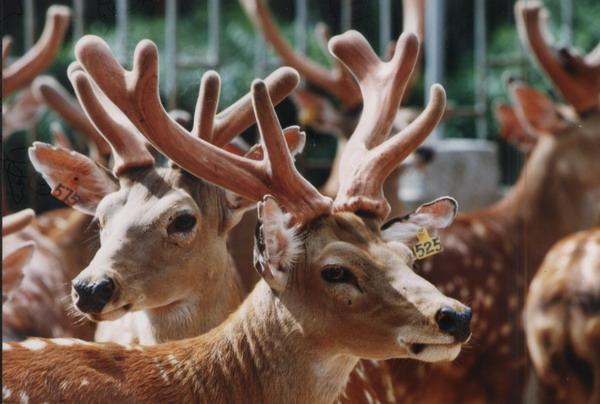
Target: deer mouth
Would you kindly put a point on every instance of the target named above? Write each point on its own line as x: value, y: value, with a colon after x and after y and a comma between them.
x: 110, y: 314
x: 435, y: 352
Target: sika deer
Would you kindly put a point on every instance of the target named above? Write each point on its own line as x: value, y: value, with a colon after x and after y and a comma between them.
x: 163, y: 269
x: 501, y: 247
x: 562, y: 320
x: 340, y: 119
x: 14, y: 261
x: 333, y: 289
x: 24, y: 111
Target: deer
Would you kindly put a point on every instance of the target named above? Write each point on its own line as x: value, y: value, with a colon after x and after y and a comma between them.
x: 499, y: 248
x: 24, y: 111
x: 66, y: 245
x: 334, y: 285
x: 340, y: 118
x: 562, y: 323
x: 14, y: 261
x: 163, y: 222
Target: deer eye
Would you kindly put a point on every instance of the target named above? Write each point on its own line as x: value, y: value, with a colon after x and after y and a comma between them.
x: 338, y: 274
x: 182, y: 224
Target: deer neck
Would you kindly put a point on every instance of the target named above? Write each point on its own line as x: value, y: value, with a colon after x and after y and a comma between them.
x: 546, y: 203
x: 269, y: 354
x: 198, y: 312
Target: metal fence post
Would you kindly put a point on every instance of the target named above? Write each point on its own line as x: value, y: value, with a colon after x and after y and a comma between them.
x: 78, y: 17
x: 300, y: 25
x: 566, y: 13
x: 480, y: 69
x: 385, y: 25
x: 171, y: 53
x: 121, y: 31
x: 435, y: 11
x: 346, y: 15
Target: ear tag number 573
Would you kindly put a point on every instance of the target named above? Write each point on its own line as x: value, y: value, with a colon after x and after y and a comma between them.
x: 426, y: 245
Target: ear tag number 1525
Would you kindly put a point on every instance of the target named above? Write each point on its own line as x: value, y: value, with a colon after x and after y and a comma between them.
x: 426, y: 245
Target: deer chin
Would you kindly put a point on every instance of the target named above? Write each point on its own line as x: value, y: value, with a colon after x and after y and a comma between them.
x: 434, y: 352
x: 110, y: 314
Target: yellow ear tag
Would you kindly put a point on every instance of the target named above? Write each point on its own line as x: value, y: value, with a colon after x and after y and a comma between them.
x: 426, y: 245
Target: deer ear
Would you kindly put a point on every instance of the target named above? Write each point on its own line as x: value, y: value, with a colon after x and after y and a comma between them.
x: 12, y: 267
x: 432, y: 216
x: 276, y: 244
x: 511, y: 129
x: 22, y: 114
x: 536, y: 111
x: 74, y: 178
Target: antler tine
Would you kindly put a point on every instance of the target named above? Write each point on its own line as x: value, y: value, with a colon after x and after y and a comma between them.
x: 294, y: 192
x: 127, y: 143
x: 6, y: 47
x: 337, y: 81
x: 381, y: 84
x: 39, y: 57
x: 576, y: 79
x: 368, y: 159
x: 239, y: 116
x: 17, y: 221
x: 206, y: 106
x: 59, y: 137
x: 50, y: 91
x: 136, y: 94
x: 413, y: 19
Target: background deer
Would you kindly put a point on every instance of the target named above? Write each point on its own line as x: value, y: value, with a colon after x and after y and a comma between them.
x: 337, y: 113
x: 24, y: 111
x: 162, y: 268
x: 14, y: 261
x: 500, y: 248
x: 318, y: 260
x: 562, y: 320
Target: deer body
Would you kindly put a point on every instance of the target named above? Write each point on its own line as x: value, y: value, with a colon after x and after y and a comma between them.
x: 229, y: 364
x: 40, y: 305
x: 562, y: 320
x: 499, y: 249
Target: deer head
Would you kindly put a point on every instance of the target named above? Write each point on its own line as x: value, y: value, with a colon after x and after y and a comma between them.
x: 163, y: 232
x: 331, y: 264
x: 572, y: 144
x: 576, y: 77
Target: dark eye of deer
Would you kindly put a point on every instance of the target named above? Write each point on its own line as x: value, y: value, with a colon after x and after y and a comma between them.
x: 182, y: 224
x: 337, y: 275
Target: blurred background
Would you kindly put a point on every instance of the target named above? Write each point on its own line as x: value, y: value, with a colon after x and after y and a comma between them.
x: 471, y: 46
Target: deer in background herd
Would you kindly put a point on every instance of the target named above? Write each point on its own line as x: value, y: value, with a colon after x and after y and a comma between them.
x: 491, y: 255
x: 562, y: 320
x: 318, y: 258
x: 23, y: 112
x: 339, y: 119
x: 14, y: 261
x: 36, y: 307
x: 162, y: 268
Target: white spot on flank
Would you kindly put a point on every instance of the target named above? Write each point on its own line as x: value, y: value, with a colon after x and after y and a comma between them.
x: 6, y: 347
x: 24, y: 398
x: 84, y: 382
x: 427, y: 266
x: 34, y: 344
x: 66, y: 341
x: 6, y: 393
x: 505, y: 329
x: 479, y: 229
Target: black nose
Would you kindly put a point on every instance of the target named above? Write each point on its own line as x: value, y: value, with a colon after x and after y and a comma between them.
x: 454, y: 323
x: 92, y: 297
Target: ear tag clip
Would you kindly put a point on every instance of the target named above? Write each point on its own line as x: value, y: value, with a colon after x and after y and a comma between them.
x: 426, y: 245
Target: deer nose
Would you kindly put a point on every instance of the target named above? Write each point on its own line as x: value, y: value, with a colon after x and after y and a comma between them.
x: 453, y: 323
x: 92, y: 297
